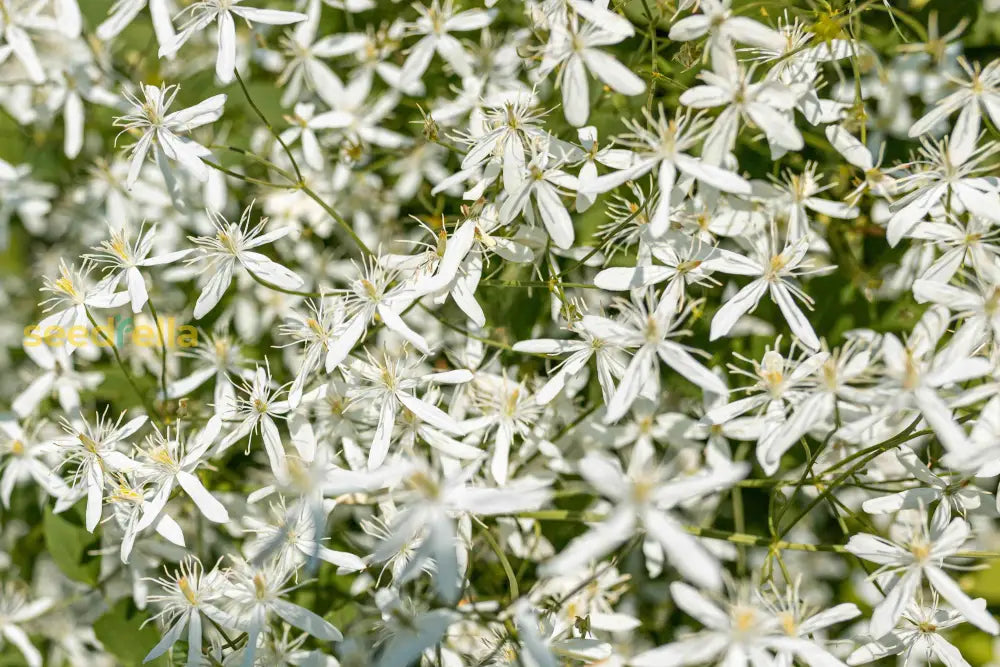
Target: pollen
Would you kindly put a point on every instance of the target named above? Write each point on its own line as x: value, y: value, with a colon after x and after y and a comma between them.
x: 778, y: 263
x: 260, y: 586
x: 744, y: 619
x: 921, y: 551
x: 88, y: 442
x: 186, y: 589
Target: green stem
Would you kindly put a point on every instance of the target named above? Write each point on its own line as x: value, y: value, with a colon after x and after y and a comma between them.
x: 274, y: 131
x: 163, y: 348
x: 300, y: 183
x: 153, y: 414
x: 504, y: 562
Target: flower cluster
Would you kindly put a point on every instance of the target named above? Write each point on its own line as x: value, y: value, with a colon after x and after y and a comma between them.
x: 534, y: 332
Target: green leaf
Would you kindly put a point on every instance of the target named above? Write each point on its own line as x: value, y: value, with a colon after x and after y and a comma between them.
x: 120, y: 632
x: 68, y: 544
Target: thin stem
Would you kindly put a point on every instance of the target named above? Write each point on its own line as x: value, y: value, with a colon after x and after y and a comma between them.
x: 300, y: 183
x: 874, y: 451
x: 504, y: 562
x: 121, y: 364
x: 274, y: 132
x: 163, y: 349
x: 550, y: 284
x: 284, y: 290
x: 736, y: 538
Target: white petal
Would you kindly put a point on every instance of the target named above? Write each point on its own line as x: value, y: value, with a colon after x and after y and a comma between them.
x: 214, y: 290
x: 346, y: 341
x: 206, y: 111
x: 974, y: 611
x: 606, y: 68
x: 888, y: 612
x: 742, y: 303
x: 555, y: 216
x: 575, y: 92
x: 719, y: 178
x: 206, y: 502
x: 429, y: 413
x: 20, y: 43
x: 394, y: 322
x: 875, y: 549
x: 306, y: 620
x: 169, y: 638
x: 965, y: 134
x: 797, y: 322
x: 593, y: 544
x: 938, y: 416
x: 681, y: 361
x: 684, y: 551
x: 73, y: 122
x: 269, y: 16
x: 272, y: 445
x: 265, y: 268
x: 690, y: 27
x: 847, y: 145
x: 225, y: 62
x: 383, y: 434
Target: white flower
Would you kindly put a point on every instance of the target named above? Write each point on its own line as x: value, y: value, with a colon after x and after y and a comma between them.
x: 131, y: 503
x: 355, y: 117
x: 778, y: 382
x: 205, y: 12
x: 574, y: 46
x: 166, y: 461
x: 921, y: 554
x: 391, y: 387
x: 435, y: 24
x: 231, y: 247
x: 508, y: 407
x: 774, y: 273
x: 649, y: 325
x: 374, y: 294
x: 123, y: 12
x: 257, y: 593
x: 664, y: 146
x: 921, y: 629
x: 768, y: 104
x: 71, y: 300
x: 953, y: 494
x: 429, y: 514
x: 723, y: 28
x: 57, y: 377
x: 915, y: 376
x: 305, y: 64
x: 737, y: 631
x: 15, y: 608
x: 93, y: 453
x: 316, y: 330
x: 122, y: 258
x: 979, y: 307
x: 541, y: 182
x: 980, y: 93
x: 25, y: 457
x: 257, y: 412
x: 595, y: 342
x: 160, y: 131
x: 643, y: 497
x: 19, y: 19
x: 295, y: 539
x: 945, y: 172
x: 218, y: 358
x: 189, y: 594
